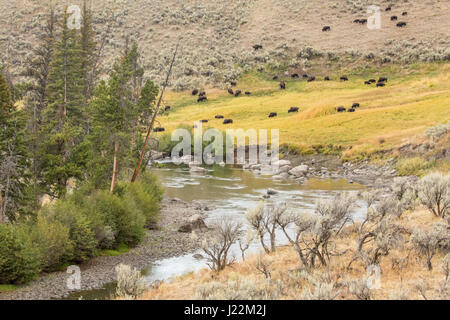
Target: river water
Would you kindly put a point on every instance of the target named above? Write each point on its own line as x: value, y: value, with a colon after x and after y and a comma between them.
x: 229, y: 192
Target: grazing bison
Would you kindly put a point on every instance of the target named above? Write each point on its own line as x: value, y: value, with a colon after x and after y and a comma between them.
x: 404, y: 13
x: 202, y: 94
x: 194, y: 92
x: 167, y: 108
x: 373, y: 80
x: 401, y: 24
x: 311, y: 79
x: 382, y: 79
x: 293, y: 109
x: 357, y: 21
x: 272, y: 114
x: 340, y: 109
x: 219, y: 117
x: 257, y: 47
x: 204, y: 121
x: 327, y: 78
x: 237, y: 93
x: 275, y: 78
x: 381, y: 84
x: 233, y: 83
x: 388, y: 9
x: 394, y: 18
x: 351, y: 110
x: 363, y: 21
x: 202, y: 98
x: 248, y: 93
x: 230, y: 91
x: 282, y: 85
x: 305, y: 76
x: 326, y: 28
x: 356, y: 105
x: 344, y: 78
x: 295, y: 76
x: 159, y: 130
x: 367, y: 82
x: 227, y: 121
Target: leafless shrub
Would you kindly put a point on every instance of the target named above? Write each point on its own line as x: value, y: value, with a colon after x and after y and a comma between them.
x: 428, y: 242
x: 422, y: 287
x: 130, y: 283
x: 314, y: 232
x: 434, y: 193
x: 245, y: 242
x: 264, y: 220
x: 444, y: 290
x: 217, y: 247
x: 263, y: 265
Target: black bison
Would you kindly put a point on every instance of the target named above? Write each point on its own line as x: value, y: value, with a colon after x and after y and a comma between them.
x: 404, y: 13
x: 305, y: 76
x: 293, y: 109
x: 351, y: 110
x: 257, y: 47
x: 382, y: 79
x: 367, y: 82
x: 295, y: 76
x: 202, y: 94
x: 357, y: 21
x: 194, y: 92
x: 202, y: 98
x: 356, y: 105
x: 233, y: 83
x: 310, y: 79
x: 159, y: 130
x: 227, y: 121
x: 204, y: 121
x: 275, y: 78
x: 344, y: 78
x: 282, y: 85
x: 340, y: 109
x: 394, y: 18
x: 327, y: 78
x: 401, y: 24
x: 167, y: 108
x: 230, y: 91
x: 381, y: 84
x: 248, y: 93
x: 219, y: 117
x: 237, y: 93
x: 388, y: 9
x: 272, y: 114
x: 326, y: 28
x: 373, y: 80
x: 363, y: 21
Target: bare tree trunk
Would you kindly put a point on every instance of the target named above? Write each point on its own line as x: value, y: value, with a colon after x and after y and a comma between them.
x: 5, y: 201
x: 114, y: 175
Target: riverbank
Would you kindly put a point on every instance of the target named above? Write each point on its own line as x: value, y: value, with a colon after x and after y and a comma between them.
x: 404, y: 274
x: 163, y: 242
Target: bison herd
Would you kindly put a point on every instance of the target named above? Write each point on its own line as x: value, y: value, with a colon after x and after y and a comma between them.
x: 352, y: 109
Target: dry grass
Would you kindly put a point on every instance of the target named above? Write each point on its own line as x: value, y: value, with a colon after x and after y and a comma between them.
x: 401, y: 270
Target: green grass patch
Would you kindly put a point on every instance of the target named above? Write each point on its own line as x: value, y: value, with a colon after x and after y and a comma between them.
x: 414, y: 166
x: 120, y: 249
x: 8, y: 288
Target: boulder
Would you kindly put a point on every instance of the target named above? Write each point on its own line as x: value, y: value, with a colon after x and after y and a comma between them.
x: 195, y: 222
x: 271, y: 192
x: 284, y: 169
x: 281, y: 176
x: 299, y: 171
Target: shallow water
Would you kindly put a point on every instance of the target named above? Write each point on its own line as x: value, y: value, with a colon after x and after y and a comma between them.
x: 230, y: 192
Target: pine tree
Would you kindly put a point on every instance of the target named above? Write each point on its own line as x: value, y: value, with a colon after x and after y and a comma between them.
x: 13, y: 156
x: 63, y: 117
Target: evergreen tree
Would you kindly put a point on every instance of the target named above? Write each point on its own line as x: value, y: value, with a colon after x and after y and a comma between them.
x: 13, y: 156
x: 63, y: 117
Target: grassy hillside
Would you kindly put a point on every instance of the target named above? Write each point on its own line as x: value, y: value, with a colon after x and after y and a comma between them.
x: 414, y: 99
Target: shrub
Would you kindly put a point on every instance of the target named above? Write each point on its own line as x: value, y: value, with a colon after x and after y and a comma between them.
x: 83, y: 239
x: 130, y: 283
x: 428, y: 242
x: 19, y: 257
x: 412, y: 166
x: 53, y: 240
x: 434, y: 193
